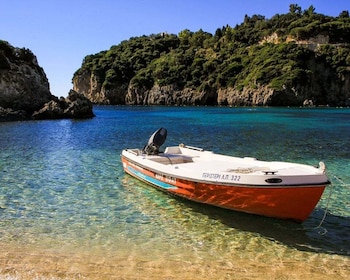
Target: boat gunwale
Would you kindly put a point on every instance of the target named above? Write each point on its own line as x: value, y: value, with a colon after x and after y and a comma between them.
x: 220, y: 183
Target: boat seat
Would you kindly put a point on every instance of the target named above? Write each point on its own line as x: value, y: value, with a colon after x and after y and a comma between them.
x: 172, y: 159
x: 172, y: 150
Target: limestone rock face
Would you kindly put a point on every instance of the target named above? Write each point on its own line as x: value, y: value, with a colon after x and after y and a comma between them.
x: 168, y: 95
x: 91, y: 87
x: 260, y: 96
x: 23, y: 83
x: 335, y: 94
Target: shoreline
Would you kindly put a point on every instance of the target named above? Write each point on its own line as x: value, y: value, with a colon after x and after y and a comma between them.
x: 27, y: 262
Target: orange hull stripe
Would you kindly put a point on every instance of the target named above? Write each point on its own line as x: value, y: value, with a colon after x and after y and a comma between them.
x: 295, y: 203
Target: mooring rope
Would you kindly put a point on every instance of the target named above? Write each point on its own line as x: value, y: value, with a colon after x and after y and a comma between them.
x: 325, y: 213
x: 342, y: 183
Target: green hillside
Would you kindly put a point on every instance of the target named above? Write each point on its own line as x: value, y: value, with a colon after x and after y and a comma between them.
x: 291, y: 51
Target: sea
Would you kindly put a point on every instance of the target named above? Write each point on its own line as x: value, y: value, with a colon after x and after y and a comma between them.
x: 68, y: 210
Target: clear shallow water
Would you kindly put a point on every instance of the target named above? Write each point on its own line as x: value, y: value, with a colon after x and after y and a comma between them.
x: 64, y: 195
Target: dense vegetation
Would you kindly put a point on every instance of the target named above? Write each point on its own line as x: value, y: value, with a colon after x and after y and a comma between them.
x: 10, y: 54
x: 235, y: 57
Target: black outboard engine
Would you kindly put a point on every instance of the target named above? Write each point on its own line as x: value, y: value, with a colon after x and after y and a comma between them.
x: 155, y: 141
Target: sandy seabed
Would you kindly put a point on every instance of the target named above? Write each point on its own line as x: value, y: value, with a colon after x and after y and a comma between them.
x: 32, y: 263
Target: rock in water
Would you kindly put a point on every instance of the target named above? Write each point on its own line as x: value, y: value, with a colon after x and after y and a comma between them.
x: 75, y: 106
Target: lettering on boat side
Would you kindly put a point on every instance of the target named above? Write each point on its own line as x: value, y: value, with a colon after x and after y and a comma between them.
x: 167, y: 179
x: 218, y: 176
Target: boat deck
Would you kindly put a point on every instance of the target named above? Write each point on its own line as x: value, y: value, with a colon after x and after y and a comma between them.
x: 206, y: 160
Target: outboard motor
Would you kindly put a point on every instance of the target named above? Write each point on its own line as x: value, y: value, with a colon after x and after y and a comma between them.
x: 155, y: 141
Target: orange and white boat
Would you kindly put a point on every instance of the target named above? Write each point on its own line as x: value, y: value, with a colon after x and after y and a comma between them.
x: 275, y: 189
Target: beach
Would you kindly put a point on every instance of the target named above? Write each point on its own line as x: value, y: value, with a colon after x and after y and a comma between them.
x: 32, y: 263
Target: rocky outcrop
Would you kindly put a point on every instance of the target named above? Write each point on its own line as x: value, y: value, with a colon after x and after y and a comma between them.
x: 75, y: 106
x: 9, y: 114
x: 91, y: 87
x: 24, y: 89
x: 23, y: 83
x: 260, y: 96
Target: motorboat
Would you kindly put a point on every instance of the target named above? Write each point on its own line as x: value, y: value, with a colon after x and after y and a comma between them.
x: 275, y: 189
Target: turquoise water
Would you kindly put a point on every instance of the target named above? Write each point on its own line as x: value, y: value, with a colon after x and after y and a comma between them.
x: 62, y: 189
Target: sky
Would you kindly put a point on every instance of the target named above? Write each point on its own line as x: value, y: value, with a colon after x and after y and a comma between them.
x: 62, y: 32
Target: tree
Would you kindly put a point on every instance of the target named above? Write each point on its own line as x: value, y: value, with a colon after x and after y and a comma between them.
x: 185, y: 36
x: 310, y: 11
x: 295, y: 9
x: 344, y: 14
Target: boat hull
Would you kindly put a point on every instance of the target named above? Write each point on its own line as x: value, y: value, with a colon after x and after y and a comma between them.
x: 283, y: 202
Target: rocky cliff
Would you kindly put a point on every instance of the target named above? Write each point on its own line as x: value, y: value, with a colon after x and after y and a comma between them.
x: 169, y: 95
x: 23, y: 83
x: 24, y: 88
x: 91, y: 86
x: 322, y: 89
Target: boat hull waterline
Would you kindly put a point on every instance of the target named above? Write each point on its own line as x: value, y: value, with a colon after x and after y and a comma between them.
x: 261, y: 192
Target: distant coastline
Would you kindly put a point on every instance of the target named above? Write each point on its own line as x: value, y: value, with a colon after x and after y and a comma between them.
x: 300, y: 58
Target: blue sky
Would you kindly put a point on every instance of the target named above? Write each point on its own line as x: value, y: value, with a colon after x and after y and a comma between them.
x: 62, y: 32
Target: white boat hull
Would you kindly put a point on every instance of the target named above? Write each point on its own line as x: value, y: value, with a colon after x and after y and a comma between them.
x: 274, y: 189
